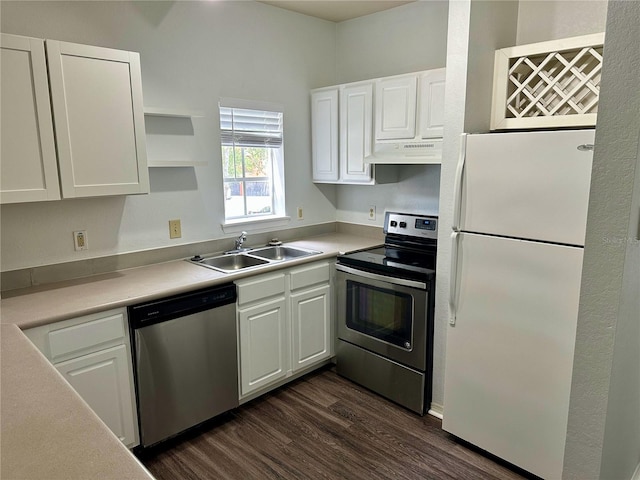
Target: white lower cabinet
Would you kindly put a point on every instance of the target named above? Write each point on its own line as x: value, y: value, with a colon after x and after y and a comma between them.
x: 102, y: 380
x: 93, y: 353
x: 264, y: 344
x: 310, y: 326
x: 284, y: 326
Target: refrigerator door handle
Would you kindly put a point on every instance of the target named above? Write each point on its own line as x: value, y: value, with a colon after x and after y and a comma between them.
x: 453, y: 278
x: 457, y: 186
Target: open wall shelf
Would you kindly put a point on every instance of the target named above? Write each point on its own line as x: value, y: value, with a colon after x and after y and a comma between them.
x: 172, y: 137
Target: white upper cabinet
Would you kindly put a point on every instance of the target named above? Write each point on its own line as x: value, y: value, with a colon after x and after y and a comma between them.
x: 431, y: 112
x: 410, y: 107
x: 324, y: 134
x: 96, y: 95
x: 381, y: 122
x: 342, y: 136
x: 29, y: 171
x: 396, y: 107
x: 97, y: 106
x: 356, y: 118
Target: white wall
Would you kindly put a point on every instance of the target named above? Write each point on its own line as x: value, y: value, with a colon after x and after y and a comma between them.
x: 192, y: 53
x: 416, y: 190
x: 539, y: 21
x: 405, y: 39
x: 603, y: 437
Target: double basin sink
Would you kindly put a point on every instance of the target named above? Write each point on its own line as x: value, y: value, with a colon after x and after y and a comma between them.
x: 235, y: 261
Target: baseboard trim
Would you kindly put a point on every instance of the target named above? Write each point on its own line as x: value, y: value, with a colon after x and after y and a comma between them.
x: 437, y: 410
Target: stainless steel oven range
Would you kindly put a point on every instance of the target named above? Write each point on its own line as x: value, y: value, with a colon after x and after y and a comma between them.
x: 385, y: 312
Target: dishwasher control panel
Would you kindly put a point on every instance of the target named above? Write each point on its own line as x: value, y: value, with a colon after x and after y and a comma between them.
x: 180, y: 305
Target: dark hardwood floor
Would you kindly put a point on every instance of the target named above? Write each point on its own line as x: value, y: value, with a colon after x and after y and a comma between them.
x: 321, y: 427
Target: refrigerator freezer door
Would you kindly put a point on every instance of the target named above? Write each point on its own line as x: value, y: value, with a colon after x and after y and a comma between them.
x: 509, y: 356
x: 532, y: 185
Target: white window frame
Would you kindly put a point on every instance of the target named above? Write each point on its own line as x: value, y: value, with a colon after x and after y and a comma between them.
x: 279, y: 217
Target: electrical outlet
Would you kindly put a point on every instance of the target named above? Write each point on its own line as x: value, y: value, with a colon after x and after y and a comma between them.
x: 300, y: 216
x: 80, y: 240
x: 175, y: 231
x: 372, y: 212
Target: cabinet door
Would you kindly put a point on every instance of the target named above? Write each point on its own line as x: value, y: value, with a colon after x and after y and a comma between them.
x: 102, y: 380
x: 355, y: 133
x: 264, y: 340
x: 432, y: 84
x: 311, y: 326
x: 29, y: 171
x: 396, y: 108
x: 96, y: 95
x: 324, y: 135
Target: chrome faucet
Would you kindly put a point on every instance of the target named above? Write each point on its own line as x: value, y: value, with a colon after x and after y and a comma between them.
x: 240, y: 240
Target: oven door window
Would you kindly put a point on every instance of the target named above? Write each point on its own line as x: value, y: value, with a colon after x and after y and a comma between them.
x: 381, y: 313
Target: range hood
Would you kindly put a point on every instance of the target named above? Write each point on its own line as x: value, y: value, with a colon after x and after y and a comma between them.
x: 398, y: 152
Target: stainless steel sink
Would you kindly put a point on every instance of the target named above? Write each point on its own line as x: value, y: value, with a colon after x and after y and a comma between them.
x: 232, y: 263
x: 282, y: 252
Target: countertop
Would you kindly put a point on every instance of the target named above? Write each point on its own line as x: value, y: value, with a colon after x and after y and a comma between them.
x: 47, y: 430
x: 34, y: 306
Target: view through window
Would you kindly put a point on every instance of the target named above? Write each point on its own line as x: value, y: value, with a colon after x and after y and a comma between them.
x: 251, y: 162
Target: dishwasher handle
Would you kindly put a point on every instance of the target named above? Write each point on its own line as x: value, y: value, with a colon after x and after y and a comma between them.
x: 169, y: 308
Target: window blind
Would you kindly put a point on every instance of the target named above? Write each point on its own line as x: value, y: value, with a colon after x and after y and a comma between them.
x: 250, y: 128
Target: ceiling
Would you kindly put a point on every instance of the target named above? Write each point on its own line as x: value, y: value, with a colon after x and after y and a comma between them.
x: 337, y: 10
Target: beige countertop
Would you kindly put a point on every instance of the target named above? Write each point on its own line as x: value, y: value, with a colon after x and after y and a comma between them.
x: 47, y: 430
x: 34, y: 306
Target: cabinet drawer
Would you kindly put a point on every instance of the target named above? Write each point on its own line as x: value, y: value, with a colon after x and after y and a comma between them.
x: 309, y: 275
x: 258, y: 288
x: 86, y: 336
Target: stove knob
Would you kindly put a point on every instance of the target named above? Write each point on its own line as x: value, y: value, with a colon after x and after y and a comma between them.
x: 394, y: 223
x: 403, y: 224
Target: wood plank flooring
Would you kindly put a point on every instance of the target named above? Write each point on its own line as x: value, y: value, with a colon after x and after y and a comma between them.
x: 321, y: 427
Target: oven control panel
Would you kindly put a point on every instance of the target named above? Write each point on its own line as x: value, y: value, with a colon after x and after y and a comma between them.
x: 413, y: 225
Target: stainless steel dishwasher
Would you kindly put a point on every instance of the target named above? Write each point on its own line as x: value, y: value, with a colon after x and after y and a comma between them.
x: 185, y: 360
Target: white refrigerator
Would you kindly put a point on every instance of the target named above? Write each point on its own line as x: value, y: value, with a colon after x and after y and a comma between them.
x: 517, y: 244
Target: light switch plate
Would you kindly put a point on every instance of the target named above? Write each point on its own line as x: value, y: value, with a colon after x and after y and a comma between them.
x: 175, y: 230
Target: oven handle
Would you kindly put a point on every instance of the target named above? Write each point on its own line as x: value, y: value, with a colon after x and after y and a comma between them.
x: 383, y: 278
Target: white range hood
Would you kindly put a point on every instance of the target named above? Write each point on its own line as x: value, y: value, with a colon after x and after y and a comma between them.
x: 409, y: 152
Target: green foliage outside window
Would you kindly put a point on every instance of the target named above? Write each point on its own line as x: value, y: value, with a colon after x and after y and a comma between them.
x: 255, y: 159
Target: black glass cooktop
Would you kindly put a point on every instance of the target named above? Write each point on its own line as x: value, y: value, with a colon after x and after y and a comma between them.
x: 411, y: 263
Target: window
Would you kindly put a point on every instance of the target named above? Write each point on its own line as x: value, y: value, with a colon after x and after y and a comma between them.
x: 252, y: 162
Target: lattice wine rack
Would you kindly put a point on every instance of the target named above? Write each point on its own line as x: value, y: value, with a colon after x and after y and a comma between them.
x: 547, y: 84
